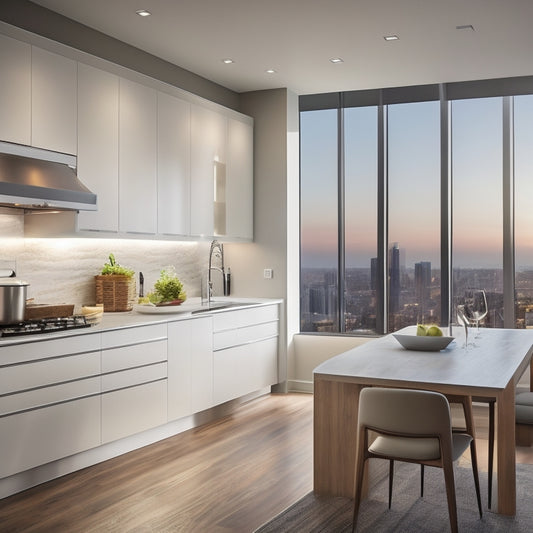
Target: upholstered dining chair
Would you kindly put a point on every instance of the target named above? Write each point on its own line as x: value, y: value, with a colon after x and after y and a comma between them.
x: 412, y: 426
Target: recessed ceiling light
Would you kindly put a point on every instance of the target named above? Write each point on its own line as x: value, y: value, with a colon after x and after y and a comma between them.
x: 228, y: 61
x: 270, y: 71
x: 391, y: 38
x: 143, y: 13
x: 465, y: 27
x: 336, y: 60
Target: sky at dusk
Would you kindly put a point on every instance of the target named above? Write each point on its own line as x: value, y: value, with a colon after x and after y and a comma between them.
x: 414, y: 183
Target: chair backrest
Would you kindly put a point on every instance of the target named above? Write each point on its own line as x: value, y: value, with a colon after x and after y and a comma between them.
x: 404, y: 411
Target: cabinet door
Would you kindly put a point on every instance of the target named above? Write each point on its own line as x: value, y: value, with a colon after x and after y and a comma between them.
x: 134, y: 409
x: 15, y: 88
x: 54, y: 102
x: 98, y: 145
x: 190, y: 367
x: 202, y: 364
x: 179, y: 369
x: 244, y: 369
x: 173, y: 165
x: 137, y: 158
x: 239, y: 180
x: 39, y: 436
x: 208, y: 144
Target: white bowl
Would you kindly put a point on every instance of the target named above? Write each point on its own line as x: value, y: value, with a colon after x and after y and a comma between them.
x: 423, y: 343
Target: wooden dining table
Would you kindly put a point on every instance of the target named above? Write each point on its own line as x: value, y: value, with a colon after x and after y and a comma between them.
x: 489, y: 368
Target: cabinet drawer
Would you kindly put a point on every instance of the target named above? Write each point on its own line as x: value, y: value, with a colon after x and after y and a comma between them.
x: 127, y: 336
x: 235, y: 337
x: 50, y: 371
x: 37, y: 437
x: 22, y: 401
x: 132, y: 410
x: 133, y: 376
x: 245, y: 317
x: 244, y: 369
x: 135, y: 355
x: 30, y: 351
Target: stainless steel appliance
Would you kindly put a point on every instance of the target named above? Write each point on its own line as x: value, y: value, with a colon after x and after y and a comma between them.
x: 32, y: 178
x: 44, y: 325
x: 12, y: 298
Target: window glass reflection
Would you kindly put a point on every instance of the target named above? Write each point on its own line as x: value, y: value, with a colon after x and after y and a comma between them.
x: 414, y: 214
x: 319, y: 221
x: 477, y: 201
x: 360, y: 190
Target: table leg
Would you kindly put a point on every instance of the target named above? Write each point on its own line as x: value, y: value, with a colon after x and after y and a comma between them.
x: 505, y: 424
x: 531, y: 375
x: 336, y: 406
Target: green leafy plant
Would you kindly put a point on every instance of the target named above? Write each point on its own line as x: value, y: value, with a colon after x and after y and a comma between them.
x: 113, y: 268
x: 168, y: 288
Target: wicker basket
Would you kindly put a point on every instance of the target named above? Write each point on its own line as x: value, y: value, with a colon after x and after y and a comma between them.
x: 116, y: 292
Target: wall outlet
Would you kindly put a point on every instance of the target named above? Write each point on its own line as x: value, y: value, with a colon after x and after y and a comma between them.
x: 268, y: 273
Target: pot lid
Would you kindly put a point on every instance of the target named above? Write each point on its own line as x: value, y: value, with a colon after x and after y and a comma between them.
x: 12, y: 282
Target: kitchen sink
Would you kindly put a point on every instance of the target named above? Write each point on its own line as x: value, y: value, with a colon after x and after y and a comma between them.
x: 216, y: 306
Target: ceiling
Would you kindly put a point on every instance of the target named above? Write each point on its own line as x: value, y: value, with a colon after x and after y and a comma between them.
x: 297, y: 38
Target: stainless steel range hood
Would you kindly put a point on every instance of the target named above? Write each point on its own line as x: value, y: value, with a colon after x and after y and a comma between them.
x: 31, y: 178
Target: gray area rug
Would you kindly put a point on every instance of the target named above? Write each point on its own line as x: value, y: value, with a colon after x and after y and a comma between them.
x: 409, y: 512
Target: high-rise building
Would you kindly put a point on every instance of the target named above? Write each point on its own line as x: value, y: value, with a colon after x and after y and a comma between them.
x: 394, y: 276
x: 422, y: 286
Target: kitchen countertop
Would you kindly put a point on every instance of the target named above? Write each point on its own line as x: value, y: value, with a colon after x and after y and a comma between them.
x: 120, y: 320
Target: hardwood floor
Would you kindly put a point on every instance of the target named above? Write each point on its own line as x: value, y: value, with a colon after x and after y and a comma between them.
x: 229, y: 476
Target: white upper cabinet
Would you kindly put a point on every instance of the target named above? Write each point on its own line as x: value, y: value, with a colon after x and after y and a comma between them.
x: 208, y: 145
x: 173, y: 165
x: 98, y: 145
x: 54, y: 102
x: 137, y: 158
x: 239, y: 180
x: 15, y: 89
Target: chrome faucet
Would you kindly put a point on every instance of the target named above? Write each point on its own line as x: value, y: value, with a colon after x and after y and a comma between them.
x: 216, y: 251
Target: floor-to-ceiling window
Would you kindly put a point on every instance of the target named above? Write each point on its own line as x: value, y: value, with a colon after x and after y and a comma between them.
x: 319, y: 222
x: 523, y: 186
x: 360, y: 218
x: 429, y: 192
x: 413, y: 143
x: 477, y: 153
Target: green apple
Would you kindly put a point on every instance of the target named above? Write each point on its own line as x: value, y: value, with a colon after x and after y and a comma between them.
x: 434, y: 331
x: 421, y: 330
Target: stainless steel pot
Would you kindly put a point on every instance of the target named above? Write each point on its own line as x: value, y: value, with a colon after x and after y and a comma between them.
x: 12, y: 300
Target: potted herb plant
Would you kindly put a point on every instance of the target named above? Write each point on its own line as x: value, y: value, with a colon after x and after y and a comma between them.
x: 115, y: 286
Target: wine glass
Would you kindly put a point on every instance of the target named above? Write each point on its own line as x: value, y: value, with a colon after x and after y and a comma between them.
x: 476, y: 302
x: 462, y: 320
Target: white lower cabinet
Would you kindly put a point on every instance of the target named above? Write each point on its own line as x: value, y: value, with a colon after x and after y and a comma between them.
x: 64, y: 396
x: 36, y: 437
x: 245, y: 357
x: 190, y: 367
x: 134, y: 381
x: 133, y: 409
x: 244, y: 369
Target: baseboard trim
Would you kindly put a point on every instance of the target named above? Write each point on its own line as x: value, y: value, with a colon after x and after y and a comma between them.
x: 298, y: 385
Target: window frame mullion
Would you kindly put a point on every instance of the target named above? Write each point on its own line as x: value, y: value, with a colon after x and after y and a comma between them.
x: 341, y: 277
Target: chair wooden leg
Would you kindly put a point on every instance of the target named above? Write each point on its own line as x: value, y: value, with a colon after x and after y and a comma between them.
x: 491, y: 449
x: 391, y: 477
x: 358, y: 484
x: 450, y: 493
x: 473, y: 454
x: 421, y: 481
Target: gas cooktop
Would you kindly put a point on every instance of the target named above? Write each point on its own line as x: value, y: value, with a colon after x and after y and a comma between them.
x: 43, y: 325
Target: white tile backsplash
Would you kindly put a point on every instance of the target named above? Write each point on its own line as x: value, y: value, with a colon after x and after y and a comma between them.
x: 63, y: 270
